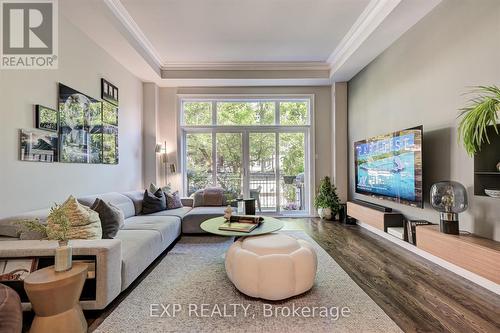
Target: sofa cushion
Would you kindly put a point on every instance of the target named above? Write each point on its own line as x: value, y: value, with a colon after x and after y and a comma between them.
x: 136, y: 197
x: 179, y: 212
x: 139, y: 249
x: 167, y: 226
x: 192, y: 220
x: 117, y: 199
x: 112, y: 218
x: 173, y: 200
x: 9, y: 226
x: 84, y: 222
x: 153, y: 202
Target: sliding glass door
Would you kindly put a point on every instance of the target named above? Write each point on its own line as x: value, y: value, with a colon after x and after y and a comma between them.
x: 254, y: 148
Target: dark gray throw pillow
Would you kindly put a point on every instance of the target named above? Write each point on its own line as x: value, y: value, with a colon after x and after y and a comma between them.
x: 154, y: 202
x: 173, y: 200
x: 112, y: 218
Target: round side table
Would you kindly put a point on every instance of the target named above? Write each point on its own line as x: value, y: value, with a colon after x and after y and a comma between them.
x: 54, y: 297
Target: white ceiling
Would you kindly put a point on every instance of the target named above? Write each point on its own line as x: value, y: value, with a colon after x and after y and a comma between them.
x: 244, y: 42
x: 211, y: 31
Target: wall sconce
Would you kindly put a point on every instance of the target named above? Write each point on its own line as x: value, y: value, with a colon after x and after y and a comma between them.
x: 162, y: 149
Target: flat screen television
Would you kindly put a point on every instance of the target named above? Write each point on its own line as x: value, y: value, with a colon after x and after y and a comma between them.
x: 390, y: 166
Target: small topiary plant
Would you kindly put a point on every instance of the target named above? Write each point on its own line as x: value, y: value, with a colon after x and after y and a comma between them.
x: 327, y: 196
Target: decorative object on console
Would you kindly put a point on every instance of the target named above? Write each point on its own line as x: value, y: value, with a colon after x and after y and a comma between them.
x: 327, y: 201
x: 492, y: 193
x: 482, y: 111
x: 38, y: 146
x: 109, y: 133
x: 109, y: 92
x: 80, y: 127
x: 449, y: 198
x: 498, y: 166
x: 46, y: 118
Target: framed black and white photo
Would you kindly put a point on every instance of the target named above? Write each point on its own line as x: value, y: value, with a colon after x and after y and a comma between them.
x: 46, y: 118
x: 38, y: 146
x: 109, y: 92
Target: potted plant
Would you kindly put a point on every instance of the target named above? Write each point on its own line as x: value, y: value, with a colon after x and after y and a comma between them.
x: 327, y: 201
x: 289, y: 180
x: 482, y: 111
x: 57, y: 229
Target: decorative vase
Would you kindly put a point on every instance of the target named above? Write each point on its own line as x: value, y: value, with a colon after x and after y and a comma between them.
x: 498, y: 166
x: 63, y: 257
x: 325, y: 213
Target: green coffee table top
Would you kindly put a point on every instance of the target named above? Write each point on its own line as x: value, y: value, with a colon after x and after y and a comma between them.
x: 270, y: 224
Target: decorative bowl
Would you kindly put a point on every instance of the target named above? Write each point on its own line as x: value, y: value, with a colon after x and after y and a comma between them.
x: 494, y: 193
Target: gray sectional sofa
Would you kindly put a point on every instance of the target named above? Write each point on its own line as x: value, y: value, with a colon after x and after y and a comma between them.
x: 121, y: 260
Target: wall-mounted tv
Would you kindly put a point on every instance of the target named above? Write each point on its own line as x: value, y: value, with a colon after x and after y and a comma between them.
x: 390, y: 166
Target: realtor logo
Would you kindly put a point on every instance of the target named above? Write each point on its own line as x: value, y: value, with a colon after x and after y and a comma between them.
x: 29, y: 34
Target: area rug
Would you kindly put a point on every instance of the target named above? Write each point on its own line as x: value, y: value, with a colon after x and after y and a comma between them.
x: 189, y: 292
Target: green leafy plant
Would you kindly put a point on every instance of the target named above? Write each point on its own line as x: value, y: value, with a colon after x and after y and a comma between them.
x: 327, y: 196
x: 56, y: 230
x: 481, y: 112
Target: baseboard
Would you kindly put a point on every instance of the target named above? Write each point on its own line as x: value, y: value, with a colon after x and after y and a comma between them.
x: 479, y: 280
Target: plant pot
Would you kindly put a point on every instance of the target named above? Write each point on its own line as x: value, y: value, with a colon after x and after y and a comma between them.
x: 63, y: 257
x: 325, y: 213
x: 289, y: 180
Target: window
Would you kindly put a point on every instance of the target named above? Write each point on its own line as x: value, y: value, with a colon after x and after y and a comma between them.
x: 258, y: 147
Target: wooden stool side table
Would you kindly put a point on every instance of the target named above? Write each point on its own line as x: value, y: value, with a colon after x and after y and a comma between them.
x: 55, y: 298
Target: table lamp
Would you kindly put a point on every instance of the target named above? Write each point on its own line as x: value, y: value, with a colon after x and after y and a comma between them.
x: 449, y: 198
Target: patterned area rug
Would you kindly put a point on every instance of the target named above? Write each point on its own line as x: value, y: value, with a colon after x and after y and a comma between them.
x: 189, y: 292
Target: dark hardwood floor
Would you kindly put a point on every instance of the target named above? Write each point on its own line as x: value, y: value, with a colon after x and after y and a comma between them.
x: 417, y: 294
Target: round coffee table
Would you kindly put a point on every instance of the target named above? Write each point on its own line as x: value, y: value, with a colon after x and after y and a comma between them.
x: 270, y: 224
x: 54, y: 298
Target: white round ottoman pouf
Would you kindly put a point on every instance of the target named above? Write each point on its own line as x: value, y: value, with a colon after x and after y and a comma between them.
x: 272, y: 266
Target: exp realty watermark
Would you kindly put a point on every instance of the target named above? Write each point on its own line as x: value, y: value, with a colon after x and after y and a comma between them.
x: 159, y: 310
x: 29, y: 34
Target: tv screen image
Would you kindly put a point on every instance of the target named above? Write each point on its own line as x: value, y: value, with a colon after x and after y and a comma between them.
x: 390, y: 166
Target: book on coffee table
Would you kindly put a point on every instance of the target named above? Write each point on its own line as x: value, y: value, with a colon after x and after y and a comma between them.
x: 238, y: 226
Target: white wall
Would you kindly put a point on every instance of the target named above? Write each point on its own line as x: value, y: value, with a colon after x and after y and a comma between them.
x: 29, y: 185
x: 322, y: 119
x: 420, y: 80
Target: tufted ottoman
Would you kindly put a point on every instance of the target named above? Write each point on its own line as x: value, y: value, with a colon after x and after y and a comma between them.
x: 272, y: 266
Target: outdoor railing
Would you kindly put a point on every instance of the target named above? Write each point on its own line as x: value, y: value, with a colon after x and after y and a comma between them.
x: 266, y: 182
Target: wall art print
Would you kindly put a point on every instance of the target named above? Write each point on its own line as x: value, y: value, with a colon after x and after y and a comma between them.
x: 110, y: 133
x: 45, y: 118
x: 109, y: 92
x: 38, y: 146
x: 80, y: 127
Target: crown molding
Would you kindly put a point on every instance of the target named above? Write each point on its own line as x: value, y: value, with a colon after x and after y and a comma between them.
x: 121, y: 13
x: 374, y: 14
x: 248, y: 66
